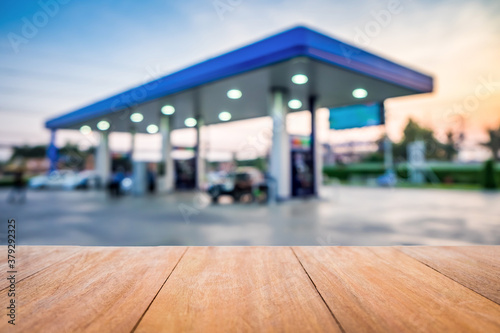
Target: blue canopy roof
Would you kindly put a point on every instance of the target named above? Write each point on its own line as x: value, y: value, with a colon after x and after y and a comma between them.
x: 294, y: 43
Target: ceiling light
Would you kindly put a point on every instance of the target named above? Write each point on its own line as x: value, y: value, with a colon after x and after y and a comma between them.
x: 190, y: 122
x: 103, y: 125
x: 152, y: 129
x: 225, y: 116
x: 168, y: 110
x: 359, y: 93
x: 300, y: 79
x: 85, y: 129
x: 294, y: 104
x: 136, y: 117
x: 234, y: 94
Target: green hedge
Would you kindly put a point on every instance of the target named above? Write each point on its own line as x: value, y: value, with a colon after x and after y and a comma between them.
x: 360, y: 170
x: 444, y: 172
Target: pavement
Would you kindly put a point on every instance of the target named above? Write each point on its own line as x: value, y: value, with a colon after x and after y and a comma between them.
x: 344, y: 215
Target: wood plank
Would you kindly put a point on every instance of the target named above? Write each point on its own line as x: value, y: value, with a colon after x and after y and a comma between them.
x: 476, y: 267
x: 32, y: 259
x: 384, y: 290
x: 235, y: 289
x: 98, y: 290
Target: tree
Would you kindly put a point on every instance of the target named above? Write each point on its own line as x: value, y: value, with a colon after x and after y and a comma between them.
x: 434, y: 149
x: 494, y: 143
x: 70, y: 156
x: 450, y: 146
x: 28, y: 152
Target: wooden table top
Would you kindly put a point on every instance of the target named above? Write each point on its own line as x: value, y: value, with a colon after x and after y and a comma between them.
x: 255, y: 289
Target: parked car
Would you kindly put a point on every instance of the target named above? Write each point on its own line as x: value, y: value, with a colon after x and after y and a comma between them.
x: 89, y: 179
x: 245, y: 182
x: 61, y: 179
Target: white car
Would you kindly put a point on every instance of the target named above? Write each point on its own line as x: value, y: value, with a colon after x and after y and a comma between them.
x: 62, y: 179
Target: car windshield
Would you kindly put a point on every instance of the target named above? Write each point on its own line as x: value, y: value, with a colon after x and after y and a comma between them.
x: 242, y: 177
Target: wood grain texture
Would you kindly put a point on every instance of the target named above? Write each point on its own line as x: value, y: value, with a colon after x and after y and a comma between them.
x: 384, y: 290
x: 403, y: 289
x: 476, y: 267
x: 32, y: 259
x: 98, y: 290
x: 238, y: 289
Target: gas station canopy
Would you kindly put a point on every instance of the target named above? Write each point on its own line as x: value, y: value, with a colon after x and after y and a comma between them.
x: 236, y: 85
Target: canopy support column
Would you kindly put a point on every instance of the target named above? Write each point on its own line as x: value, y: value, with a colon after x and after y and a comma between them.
x: 166, y: 183
x: 280, y: 163
x: 132, y: 144
x: 200, y: 163
x: 52, y: 152
x: 317, y: 159
x: 103, y: 158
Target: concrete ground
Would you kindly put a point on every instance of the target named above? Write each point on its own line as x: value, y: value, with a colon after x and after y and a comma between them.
x: 343, y: 216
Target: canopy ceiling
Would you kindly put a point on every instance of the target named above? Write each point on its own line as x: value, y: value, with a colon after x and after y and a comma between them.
x: 334, y: 69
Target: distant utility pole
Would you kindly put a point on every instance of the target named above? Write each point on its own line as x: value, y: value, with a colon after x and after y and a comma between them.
x: 388, y: 159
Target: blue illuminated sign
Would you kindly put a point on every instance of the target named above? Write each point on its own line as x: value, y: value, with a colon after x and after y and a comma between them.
x: 354, y: 116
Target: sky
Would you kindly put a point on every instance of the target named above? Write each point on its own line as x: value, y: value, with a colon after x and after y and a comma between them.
x: 83, y: 51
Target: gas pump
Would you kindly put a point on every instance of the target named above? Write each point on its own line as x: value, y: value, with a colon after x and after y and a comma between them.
x: 185, y: 170
x: 302, y: 166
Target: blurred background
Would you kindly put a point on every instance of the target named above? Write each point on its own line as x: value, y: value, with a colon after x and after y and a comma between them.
x: 428, y: 174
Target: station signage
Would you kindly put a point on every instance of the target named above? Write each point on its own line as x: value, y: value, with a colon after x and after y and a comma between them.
x: 356, y: 116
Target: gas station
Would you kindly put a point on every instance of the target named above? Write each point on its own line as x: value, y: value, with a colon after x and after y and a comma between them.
x: 295, y: 70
